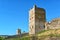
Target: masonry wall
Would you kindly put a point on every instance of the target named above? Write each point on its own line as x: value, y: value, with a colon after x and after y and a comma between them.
x: 54, y: 24
x: 36, y: 20
x: 32, y: 21
x: 39, y: 19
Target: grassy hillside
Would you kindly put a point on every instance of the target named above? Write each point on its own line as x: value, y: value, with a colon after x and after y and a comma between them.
x: 53, y: 34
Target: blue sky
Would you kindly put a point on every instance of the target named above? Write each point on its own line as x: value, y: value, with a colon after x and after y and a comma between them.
x: 14, y: 13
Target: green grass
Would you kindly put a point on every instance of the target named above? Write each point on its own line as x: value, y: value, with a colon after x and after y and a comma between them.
x: 1, y: 38
x: 50, y: 30
x: 42, y: 31
x: 25, y: 38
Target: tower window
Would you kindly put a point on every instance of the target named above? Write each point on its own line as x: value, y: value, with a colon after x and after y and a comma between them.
x: 44, y: 26
x: 32, y: 17
x: 32, y: 26
x: 39, y: 27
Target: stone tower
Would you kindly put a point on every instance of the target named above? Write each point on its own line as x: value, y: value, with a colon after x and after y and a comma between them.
x: 18, y: 32
x: 36, y: 20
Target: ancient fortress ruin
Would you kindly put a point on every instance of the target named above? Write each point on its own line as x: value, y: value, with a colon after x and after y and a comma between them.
x: 37, y: 21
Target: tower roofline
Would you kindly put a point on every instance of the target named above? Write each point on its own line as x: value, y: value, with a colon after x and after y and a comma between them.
x: 34, y: 6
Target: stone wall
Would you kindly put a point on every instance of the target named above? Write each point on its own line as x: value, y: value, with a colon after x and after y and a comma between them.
x: 54, y: 24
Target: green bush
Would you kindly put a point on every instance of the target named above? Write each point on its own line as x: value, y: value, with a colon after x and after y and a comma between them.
x: 1, y: 38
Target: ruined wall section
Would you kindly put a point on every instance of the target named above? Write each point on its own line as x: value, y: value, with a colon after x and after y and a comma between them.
x: 54, y: 24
